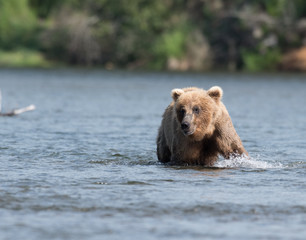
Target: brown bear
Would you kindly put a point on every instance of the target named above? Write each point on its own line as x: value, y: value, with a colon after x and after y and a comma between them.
x: 196, y: 128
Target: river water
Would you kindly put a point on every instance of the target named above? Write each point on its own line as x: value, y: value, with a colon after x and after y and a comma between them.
x: 83, y: 164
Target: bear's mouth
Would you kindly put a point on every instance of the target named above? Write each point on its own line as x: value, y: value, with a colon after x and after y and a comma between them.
x: 188, y: 132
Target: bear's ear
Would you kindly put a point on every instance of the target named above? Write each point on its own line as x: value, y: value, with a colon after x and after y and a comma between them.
x: 216, y: 93
x: 175, y: 93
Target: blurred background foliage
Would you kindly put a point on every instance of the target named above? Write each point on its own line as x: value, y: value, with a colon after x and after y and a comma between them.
x: 198, y: 35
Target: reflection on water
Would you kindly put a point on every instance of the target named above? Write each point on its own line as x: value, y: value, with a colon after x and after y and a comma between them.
x: 83, y: 164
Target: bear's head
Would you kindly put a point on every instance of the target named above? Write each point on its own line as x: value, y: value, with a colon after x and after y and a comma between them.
x: 196, y: 110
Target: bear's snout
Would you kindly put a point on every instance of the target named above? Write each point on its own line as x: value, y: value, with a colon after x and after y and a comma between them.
x: 185, y: 126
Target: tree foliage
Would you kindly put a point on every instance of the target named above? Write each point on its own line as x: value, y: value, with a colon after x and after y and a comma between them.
x: 159, y: 34
x: 17, y: 24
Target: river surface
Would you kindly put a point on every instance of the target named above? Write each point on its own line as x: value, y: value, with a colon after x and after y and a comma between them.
x: 83, y: 164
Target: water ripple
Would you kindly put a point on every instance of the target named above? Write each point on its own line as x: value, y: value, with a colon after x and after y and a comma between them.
x: 243, y: 162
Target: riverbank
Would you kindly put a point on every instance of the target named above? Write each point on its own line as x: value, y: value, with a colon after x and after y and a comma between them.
x: 294, y: 61
x: 24, y: 58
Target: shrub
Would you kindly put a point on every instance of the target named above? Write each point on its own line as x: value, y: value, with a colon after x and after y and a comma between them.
x: 71, y: 38
x: 256, y: 61
x: 17, y: 24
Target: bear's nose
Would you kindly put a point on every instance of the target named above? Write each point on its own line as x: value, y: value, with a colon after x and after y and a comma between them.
x: 185, y: 125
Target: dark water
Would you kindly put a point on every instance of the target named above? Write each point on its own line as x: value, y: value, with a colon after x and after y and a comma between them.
x: 83, y: 164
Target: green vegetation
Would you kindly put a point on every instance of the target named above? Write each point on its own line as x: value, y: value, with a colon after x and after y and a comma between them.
x: 250, y: 35
x: 23, y: 58
x: 17, y: 24
x: 254, y: 61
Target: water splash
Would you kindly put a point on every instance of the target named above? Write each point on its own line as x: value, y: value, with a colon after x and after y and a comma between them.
x: 246, y: 162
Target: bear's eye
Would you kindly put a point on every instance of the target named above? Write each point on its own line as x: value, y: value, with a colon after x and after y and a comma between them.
x: 182, y: 111
x: 196, y: 110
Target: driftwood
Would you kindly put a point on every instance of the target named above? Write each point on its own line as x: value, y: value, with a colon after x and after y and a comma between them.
x: 16, y: 111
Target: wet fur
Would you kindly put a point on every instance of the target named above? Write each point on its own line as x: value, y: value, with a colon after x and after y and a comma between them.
x: 214, y: 135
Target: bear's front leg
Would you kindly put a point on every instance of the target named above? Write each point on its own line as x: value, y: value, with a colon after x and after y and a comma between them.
x: 234, y: 149
x: 163, y: 152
